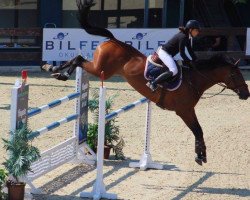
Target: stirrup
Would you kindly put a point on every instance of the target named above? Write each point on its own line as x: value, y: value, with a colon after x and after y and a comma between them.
x: 152, y: 86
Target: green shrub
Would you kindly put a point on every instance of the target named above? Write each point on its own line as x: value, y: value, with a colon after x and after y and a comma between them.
x: 3, y: 179
x: 21, y: 154
x: 112, y: 138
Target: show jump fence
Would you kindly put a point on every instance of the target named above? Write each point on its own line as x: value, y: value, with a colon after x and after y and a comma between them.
x: 99, y: 190
x: 73, y: 148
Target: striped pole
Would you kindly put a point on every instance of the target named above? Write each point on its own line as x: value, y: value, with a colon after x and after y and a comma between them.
x: 53, y: 104
x: 53, y: 126
x: 126, y: 108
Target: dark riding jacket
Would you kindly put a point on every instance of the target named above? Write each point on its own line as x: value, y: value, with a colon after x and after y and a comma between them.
x: 177, y: 44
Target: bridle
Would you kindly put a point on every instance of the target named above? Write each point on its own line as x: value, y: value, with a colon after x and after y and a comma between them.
x: 231, y: 78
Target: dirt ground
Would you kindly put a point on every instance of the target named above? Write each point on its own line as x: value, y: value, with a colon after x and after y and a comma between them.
x: 225, y: 121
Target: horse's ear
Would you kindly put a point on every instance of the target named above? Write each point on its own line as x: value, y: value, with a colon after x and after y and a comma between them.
x: 237, y: 63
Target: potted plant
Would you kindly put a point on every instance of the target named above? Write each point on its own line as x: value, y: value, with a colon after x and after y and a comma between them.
x: 112, y: 140
x: 21, y: 154
x: 3, y: 178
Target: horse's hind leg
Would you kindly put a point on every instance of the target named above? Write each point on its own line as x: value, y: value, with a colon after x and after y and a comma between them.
x: 190, y: 119
x: 54, y: 69
x: 72, y: 64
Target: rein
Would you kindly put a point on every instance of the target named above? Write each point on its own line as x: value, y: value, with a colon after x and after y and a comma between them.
x: 231, y: 79
x: 220, y: 84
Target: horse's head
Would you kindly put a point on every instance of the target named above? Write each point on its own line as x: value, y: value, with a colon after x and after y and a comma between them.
x: 236, y: 82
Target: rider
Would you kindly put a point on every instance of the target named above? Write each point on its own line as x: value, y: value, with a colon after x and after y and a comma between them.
x: 175, y: 45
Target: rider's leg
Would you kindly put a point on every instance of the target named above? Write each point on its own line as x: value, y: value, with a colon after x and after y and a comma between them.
x: 168, y: 61
x: 163, y: 77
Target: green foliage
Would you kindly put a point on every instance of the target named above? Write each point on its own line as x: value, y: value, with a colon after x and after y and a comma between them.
x: 112, y: 137
x: 92, y: 136
x: 21, y: 154
x: 94, y: 104
x: 3, y: 178
x: 118, y: 149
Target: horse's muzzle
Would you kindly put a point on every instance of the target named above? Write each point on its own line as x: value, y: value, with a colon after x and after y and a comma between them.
x: 244, y: 96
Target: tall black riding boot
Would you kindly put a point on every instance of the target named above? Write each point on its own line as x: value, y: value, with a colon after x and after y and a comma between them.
x: 163, y: 77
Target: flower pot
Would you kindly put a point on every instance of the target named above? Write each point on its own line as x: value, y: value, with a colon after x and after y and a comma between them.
x: 106, y: 152
x: 16, y: 191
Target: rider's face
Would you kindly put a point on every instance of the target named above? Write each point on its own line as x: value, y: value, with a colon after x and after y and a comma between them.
x: 194, y: 32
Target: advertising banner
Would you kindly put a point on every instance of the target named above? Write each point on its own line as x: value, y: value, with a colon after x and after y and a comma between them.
x: 64, y: 44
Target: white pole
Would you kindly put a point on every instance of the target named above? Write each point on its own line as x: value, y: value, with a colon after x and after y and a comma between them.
x: 146, y: 160
x: 78, y: 88
x: 99, y: 190
x: 100, y: 147
x: 13, y: 108
x: 148, y: 128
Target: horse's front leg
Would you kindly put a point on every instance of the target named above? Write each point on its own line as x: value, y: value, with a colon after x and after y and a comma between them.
x: 190, y: 119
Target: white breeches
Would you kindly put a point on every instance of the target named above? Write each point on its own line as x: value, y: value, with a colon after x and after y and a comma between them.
x: 167, y: 60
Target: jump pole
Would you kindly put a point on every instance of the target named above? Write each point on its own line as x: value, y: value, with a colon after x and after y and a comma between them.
x: 99, y: 190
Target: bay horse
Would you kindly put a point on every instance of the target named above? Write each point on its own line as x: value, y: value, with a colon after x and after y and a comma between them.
x: 115, y: 57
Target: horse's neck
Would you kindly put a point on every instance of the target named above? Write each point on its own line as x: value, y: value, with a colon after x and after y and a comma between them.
x: 207, y: 78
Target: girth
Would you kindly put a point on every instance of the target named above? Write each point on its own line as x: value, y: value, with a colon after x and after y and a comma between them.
x: 161, y: 99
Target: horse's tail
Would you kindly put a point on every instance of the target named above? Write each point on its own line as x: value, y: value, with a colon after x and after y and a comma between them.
x: 83, y: 14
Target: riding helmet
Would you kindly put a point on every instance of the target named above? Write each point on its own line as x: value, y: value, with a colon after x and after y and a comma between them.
x: 193, y: 24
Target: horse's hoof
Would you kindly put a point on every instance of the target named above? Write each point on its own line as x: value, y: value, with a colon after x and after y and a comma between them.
x: 198, y: 161
x: 55, y: 75
x: 47, y: 68
x: 60, y: 76
x: 204, y: 159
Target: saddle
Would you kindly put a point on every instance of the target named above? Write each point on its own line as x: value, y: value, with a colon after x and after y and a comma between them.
x: 154, y: 67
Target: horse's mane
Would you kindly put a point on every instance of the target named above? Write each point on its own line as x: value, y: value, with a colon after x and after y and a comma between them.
x: 214, y: 61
